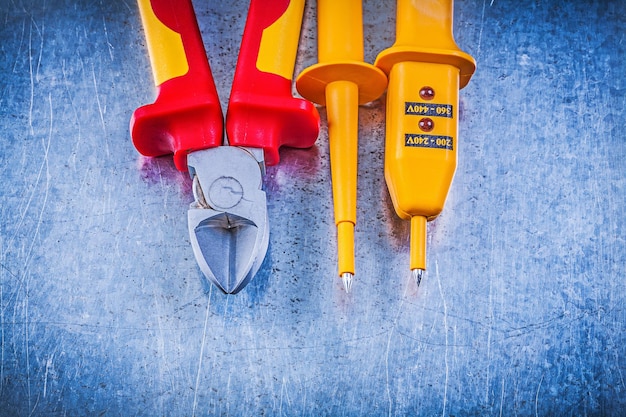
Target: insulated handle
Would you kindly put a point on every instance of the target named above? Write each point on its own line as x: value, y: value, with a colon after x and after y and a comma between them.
x: 186, y: 115
x: 340, y: 31
x: 428, y: 25
x: 262, y: 111
x: 424, y: 34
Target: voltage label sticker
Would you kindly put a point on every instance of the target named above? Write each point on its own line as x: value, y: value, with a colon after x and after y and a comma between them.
x: 428, y: 141
x: 427, y: 109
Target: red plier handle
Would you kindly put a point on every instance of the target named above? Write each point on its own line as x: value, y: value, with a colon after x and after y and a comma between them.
x: 186, y: 115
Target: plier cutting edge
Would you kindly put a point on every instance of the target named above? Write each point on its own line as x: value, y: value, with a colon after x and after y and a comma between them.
x: 228, y: 221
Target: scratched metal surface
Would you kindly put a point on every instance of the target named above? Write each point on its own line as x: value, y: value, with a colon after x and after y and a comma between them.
x: 103, y: 310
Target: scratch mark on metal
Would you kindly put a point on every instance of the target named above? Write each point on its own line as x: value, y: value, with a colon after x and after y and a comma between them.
x: 106, y: 37
x: 537, y: 397
x: 391, y: 330
x: 19, y: 48
x: 44, y: 164
x: 41, y: 32
x: 206, y: 323
x: 30, y: 68
x: 47, y: 372
x: 491, y: 321
x: 282, y: 394
x: 27, y: 344
x: 445, y: 325
x: 78, y: 140
x: 30, y: 250
x: 95, y: 86
x: 35, y: 406
x: 502, y: 396
x: 161, y: 342
x: 128, y: 7
x: 32, y: 79
x: 482, y: 25
x: 27, y: 258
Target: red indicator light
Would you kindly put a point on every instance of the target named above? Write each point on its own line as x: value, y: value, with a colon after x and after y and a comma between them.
x: 426, y: 124
x: 427, y: 93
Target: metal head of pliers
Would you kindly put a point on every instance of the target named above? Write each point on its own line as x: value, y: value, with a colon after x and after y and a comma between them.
x: 228, y: 220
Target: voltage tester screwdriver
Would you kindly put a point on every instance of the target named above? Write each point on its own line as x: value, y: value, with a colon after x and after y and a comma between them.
x: 341, y: 81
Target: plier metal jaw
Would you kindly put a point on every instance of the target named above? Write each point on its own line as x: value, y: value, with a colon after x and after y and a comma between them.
x: 227, y: 221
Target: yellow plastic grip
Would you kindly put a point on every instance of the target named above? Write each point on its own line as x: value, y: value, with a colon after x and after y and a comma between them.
x: 340, y: 30
x: 427, y: 24
x: 165, y: 46
x: 424, y: 34
x: 340, y: 54
x: 285, y: 31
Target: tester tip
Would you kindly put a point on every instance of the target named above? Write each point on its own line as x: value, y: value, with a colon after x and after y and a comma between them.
x: 347, y: 279
x: 417, y: 275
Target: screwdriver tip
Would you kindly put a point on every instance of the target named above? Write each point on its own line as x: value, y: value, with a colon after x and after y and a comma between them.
x: 347, y: 279
x: 417, y: 275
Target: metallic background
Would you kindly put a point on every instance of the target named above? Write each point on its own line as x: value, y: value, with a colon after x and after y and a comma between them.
x: 104, y: 312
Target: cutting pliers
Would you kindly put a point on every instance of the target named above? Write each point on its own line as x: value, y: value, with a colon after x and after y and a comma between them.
x: 228, y: 221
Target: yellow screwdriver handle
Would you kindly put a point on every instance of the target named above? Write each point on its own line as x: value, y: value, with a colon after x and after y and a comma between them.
x: 340, y: 54
x: 424, y: 34
x: 426, y: 69
x: 429, y: 26
x: 340, y: 30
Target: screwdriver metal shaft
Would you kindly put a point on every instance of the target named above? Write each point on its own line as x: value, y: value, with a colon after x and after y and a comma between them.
x: 342, y: 81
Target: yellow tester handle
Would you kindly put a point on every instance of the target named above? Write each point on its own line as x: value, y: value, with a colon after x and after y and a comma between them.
x: 340, y: 30
x: 342, y: 81
x: 426, y: 70
x: 425, y: 23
